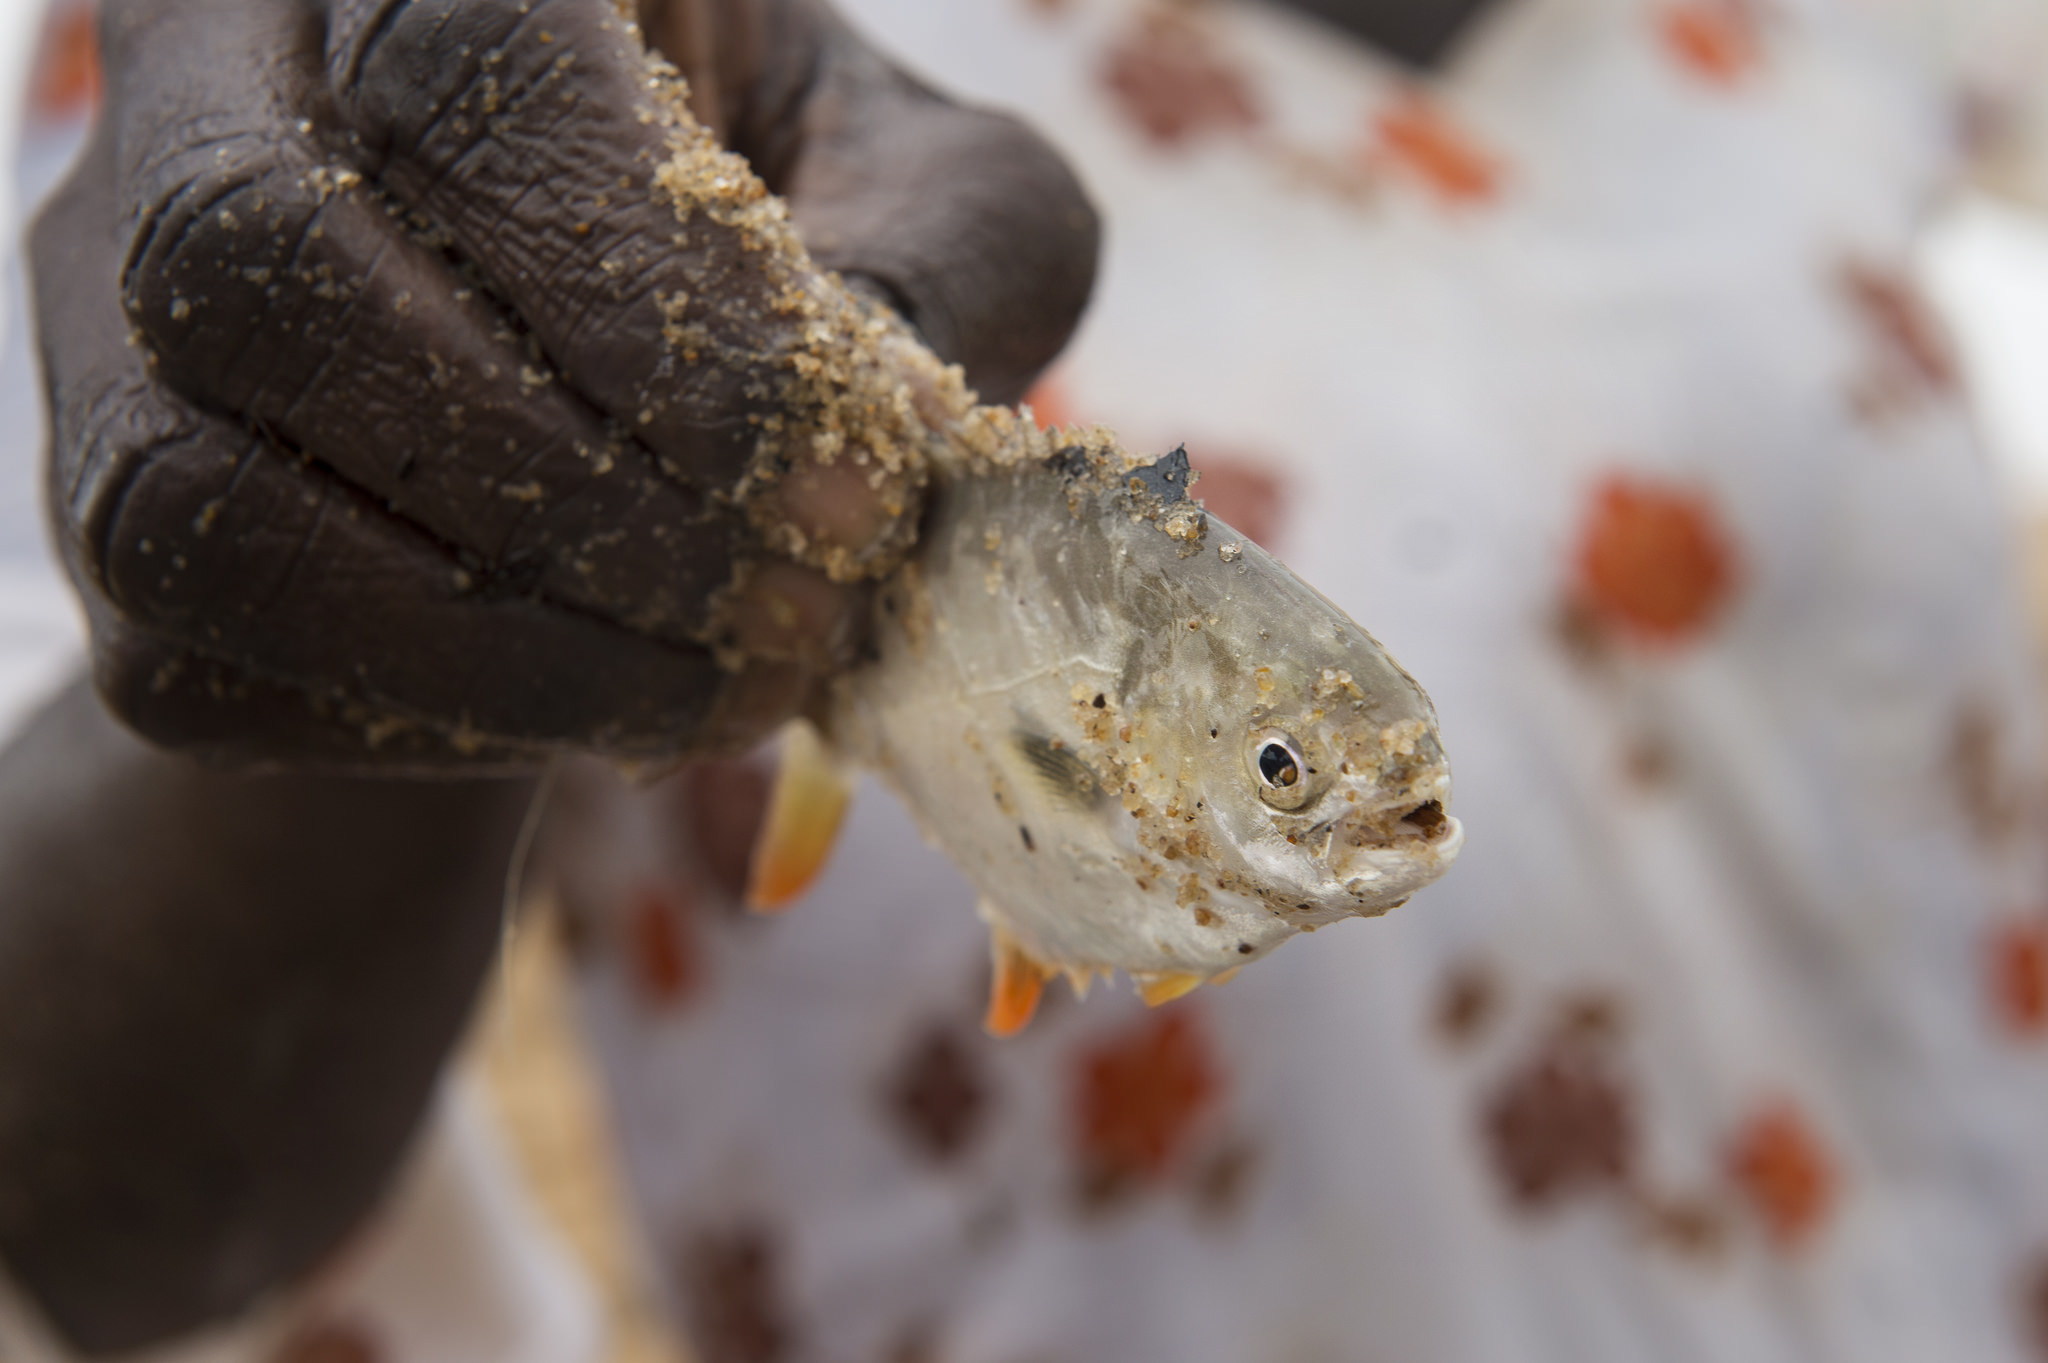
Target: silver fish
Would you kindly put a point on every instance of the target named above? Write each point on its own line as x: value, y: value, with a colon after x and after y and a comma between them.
x: 1149, y: 746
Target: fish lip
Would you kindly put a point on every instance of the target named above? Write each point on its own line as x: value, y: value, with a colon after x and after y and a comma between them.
x: 1379, y: 878
x: 1392, y: 849
x: 1408, y: 823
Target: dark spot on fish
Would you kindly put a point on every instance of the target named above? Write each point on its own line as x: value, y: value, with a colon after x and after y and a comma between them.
x: 1212, y: 733
x: 1029, y: 845
x: 1064, y: 775
x: 889, y: 605
x: 1070, y: 462
x: 1244, y: 948
x: 1099, y: 700
x: 1427, y: 816
x: 1165, y: 477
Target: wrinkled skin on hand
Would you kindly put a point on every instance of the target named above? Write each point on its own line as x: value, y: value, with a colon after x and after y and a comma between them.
x: 370, y: 450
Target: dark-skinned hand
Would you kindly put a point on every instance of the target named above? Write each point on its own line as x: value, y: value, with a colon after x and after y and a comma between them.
x: 367, y: 450
x: 335, y: 312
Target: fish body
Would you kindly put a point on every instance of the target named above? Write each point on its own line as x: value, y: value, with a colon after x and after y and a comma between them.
x: 1149, y: 745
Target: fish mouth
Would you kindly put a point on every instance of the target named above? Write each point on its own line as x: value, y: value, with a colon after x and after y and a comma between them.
x: 1414, y: 825
x: 1383, y: 855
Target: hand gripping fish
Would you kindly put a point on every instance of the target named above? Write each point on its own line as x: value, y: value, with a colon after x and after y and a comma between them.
x: 1149, y: 745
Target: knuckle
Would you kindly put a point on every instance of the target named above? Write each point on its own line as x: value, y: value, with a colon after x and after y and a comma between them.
x: 208, y: 264
x: 426, y: 79
x: 144, y: 530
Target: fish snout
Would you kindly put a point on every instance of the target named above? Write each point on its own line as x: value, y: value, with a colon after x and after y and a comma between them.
x: 1394, y: 840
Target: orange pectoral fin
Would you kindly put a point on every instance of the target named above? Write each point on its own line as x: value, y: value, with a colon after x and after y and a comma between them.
x: 804, y: 813
x: 1019, y: 980
x: 1165, y: 986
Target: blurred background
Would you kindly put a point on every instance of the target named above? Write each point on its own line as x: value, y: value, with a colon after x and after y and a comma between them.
x: 1243, y: 155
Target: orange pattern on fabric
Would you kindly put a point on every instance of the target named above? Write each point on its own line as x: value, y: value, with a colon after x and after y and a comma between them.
x: 1785, y: 1173
x: 2019, y: 978
x: 1140, y: 1095
x: 1713, y: 39
x: 67, y: 76
x: 1419, y: 136
x: 1050, y: 406
x: 667, y: 966
x: 1167, y: 74
x: 1654, y: 560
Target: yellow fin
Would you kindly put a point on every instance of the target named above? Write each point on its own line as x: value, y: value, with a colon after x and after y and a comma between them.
x: 1019, y: 980
x: 1225, y: 976
x: 1079, y: 977
x: 804, y: 812
x: 1164, y: 986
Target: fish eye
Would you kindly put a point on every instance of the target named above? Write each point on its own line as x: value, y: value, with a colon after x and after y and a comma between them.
x: 1277, y: 766
x: 1283, y: 775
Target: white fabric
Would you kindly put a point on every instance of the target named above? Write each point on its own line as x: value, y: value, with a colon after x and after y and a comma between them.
x: 1774, y: 942
x: 1797, y: 911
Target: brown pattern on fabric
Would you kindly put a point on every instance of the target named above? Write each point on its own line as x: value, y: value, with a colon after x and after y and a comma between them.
x: 1979, y: 774
x: 1785, y: 1173
x: 330, y: 1342
x: 1222, y: 1182
x: 1581, y: 635
x: 1563, y: 1122
x: 1172, y: 81
x: 1649, y: 763
x: 917, y: 1343
x: 724, y: 806
x: 2034, y: 1307
x: 1694, y: 1227
x: 1913, y: 359
x: 937, y: 1097
x: 733, y: 1297
x: 1467, y: 1002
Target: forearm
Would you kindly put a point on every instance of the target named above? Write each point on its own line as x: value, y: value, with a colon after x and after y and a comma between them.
x: 223, y: 1004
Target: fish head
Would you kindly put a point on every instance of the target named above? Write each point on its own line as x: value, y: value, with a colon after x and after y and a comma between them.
x: 1310, y: 762
x: 1172, y: 754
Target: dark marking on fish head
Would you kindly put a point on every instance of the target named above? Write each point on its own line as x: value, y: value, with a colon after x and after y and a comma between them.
x: 1070, y: 462
x: 1166, y: 477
